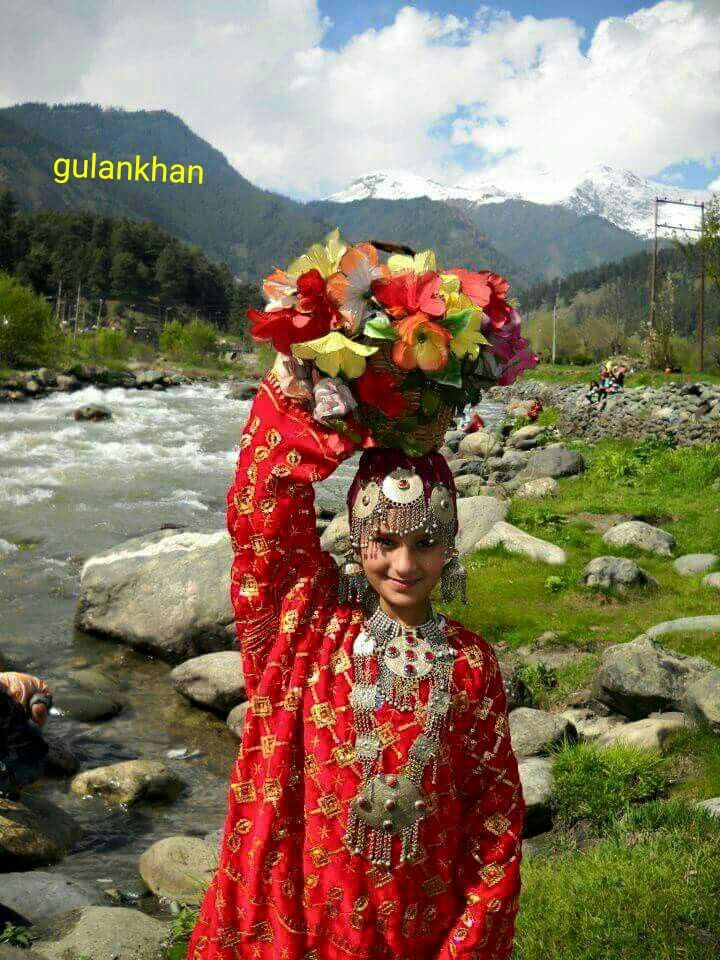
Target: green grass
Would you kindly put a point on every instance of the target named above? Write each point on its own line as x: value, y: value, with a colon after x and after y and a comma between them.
x: 559, y: 373
x: 694, y: 755
x: 600, y: 784
x: 509, y: 596
x: 646, y: 892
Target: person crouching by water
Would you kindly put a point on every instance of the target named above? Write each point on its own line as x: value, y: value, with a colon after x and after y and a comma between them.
x: 25, y: 701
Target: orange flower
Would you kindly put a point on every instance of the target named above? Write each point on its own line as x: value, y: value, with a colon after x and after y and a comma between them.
x: 349, y: 289
x: 422, y: 343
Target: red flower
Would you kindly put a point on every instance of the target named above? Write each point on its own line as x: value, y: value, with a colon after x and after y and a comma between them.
x: 282, y: 328
x: 313, y: 298
x: 487, y: 290
x: 407, y: 293
x: 380, y: 389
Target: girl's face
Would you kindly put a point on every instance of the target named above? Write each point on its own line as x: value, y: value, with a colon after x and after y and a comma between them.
x: 403, y: 570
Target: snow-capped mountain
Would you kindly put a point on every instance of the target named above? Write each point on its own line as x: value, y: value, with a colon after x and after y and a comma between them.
x: 396, y: 185
x: 618, y: 196
x: 628, y: 200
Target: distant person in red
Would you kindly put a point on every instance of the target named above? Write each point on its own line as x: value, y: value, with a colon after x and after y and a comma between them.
x: 475, y: 423
x: 535, y: 410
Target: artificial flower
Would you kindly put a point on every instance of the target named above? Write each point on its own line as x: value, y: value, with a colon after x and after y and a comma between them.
x: 334, y: 354
x: 464, y: 320
x: 405, y: 294
x: 486, y: 290
x: 294, y: 377
x: 333, y: 399
x: 378, y: 388
x: 322, y: 257
x: 419, y: 263
x: 283, y: 328
x: 312, y: 298
x: 280, y: 289
x: 349, y: 289
x: 422, y: 343
x: 508, y: 354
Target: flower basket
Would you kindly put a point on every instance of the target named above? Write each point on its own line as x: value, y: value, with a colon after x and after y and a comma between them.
x: 401, y: 346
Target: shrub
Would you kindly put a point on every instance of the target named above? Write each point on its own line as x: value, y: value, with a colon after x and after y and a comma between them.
x: 188, y: 342
x: 28, y: 334
x: 601, y: 784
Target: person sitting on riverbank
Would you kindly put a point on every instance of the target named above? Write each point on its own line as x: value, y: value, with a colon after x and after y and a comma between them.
x: 24, y: 704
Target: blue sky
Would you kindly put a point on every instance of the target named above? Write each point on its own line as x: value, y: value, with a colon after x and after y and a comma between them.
x: 349, y: 19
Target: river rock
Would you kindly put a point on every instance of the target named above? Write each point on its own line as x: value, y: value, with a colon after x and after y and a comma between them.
x: 468, y: 467
x: 640, y: 677
x: 476, y: 517
x: 537, y: 489
x: 93, y: 411
x: 536, y: 777
x: 518, y: 541
x: 650, y: 733
x: 167, y: 593
x: 479, y: 444
x: 242, y: 390
x: 60, y: 760
x: 18, y: 953
x: 453, y: 438
x: 469, y: 486
x: 39, y: 895
x: 526, y: 437
x: 702, y: 699
x: 535, y: 731
x: 34, y: 832
x: 636, y: 533
x: 102, y: 933
x: 712, y: 806
x: 555, y: 460
x: 85, y: 706
x: 591, y: 725
x: 129, y: 782
x: 712, y: 580
x: 67, y: 384
x: 705, y: 624
x: 691, y: 563
x: 214, y: 680
x: 179, y: 868
x: 615, y: 573
x: 236, y: 719
x: 147, y: 379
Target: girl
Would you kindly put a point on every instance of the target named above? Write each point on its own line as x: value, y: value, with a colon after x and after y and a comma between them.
x: 375, y: 810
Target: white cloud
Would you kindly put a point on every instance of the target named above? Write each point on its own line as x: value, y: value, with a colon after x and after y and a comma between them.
x: 254, y: 79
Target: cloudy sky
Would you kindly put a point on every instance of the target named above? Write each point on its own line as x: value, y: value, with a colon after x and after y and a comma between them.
x: 304, y: 96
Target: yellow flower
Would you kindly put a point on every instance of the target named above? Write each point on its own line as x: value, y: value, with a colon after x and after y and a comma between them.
x: 335, y: 354
x: 325, y: 258
x: 449, y: 283
x: 420, y: 263
x: 467, y: 340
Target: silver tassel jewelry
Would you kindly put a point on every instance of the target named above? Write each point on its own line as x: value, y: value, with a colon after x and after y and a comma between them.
x: 453, y: 580
x: 353, y: 585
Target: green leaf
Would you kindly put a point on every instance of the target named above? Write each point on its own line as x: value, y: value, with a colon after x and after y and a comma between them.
x: 429, y: 401
x: 450, y: 375
x: 456, y: 322
x: 379, y: 327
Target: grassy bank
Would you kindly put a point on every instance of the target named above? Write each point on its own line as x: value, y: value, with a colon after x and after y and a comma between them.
x: 580, y: 375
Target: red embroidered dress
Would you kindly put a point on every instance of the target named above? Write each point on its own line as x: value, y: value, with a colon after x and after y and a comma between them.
x: 287, y: 887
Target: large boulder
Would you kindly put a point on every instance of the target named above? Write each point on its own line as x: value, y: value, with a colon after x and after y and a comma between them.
x: 705, y: 624
x: 536, y: 731
x: 702, y: 699
x: 336, y: 536
x: 636, y: 533
x: 166, y: 593
x: 650, y: 733
x: 555, y: 460
x: 518, y: 541
x: 129, y: 782
x: 469, y: 485
x: 179, y: 868
x: 591, y: 725
x: 640, y: 677
x: 236, y: 719
x: 536, y: 778
x: 39, y: 895
x: 526, y: 437
x: 537, y: 489
x: 214, y: 680
x: 34, y: 832
x: 93, y: 411
x: 476, y: 517
x: 615, y: 573
x: 242, y: 390
x: 102, y: 933
x: 712, y: 580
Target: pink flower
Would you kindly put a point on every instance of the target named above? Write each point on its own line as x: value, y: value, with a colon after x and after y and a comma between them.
x: 333, y: 399
x: 511, y: 355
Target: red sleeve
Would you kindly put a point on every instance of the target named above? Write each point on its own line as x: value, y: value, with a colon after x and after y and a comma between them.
x: 271, y: 516
x: 489, y: 868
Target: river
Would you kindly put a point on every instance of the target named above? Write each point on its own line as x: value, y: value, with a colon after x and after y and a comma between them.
x: 69, y: 489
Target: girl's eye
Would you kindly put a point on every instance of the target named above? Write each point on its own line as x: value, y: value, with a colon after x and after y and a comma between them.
x: 384, y: 541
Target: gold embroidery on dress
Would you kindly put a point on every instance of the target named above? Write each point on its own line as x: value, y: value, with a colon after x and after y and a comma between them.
x: 323, y: 714
x: 259, y: 544
x: 340, y: 661
x: 267, y: 505
x: 261, y: 706
x: 249, y: 586
x: 293, y: 457
x: 497, y: 824
x: 244, y: 791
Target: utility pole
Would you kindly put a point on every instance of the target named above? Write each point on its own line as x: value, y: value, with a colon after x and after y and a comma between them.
x: 97, y: 322
x: 701, y: 291
x: 57, y: 304
x: 653, y: 275
x: 554, y: 333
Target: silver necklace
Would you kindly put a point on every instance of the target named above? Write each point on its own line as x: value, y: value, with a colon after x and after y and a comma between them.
x: 390, y: 804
